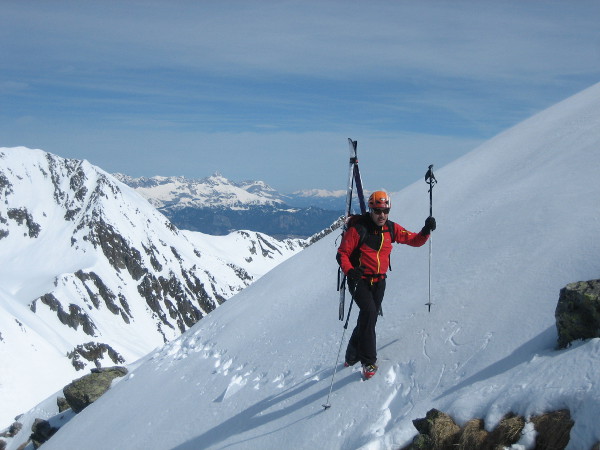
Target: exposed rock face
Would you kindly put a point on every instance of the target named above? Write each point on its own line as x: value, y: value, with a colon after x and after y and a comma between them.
x: 86, y: 390
x: 578, y: 312
x: 95, y: 352
x: 437, y: 431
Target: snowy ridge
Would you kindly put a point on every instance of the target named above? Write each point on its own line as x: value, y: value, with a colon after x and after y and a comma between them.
x: 93, y: 274
x: 517, y: 220
x: 215, y: 191
x: 321, y: 193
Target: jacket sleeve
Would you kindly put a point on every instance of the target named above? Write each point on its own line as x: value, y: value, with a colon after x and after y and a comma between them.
x: 403, y: 236
x: 349, y: 243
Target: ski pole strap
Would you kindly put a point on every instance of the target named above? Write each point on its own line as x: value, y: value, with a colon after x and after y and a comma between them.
x: 431, y: 181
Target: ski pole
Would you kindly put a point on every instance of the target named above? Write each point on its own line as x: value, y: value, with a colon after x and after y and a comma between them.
x: 431, y: 181
x: 327, y: 405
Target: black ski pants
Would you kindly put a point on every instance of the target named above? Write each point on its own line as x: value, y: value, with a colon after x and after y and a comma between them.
x: 363, y: 342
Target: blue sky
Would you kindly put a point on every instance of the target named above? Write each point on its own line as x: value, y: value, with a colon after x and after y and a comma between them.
x: 272, y: 90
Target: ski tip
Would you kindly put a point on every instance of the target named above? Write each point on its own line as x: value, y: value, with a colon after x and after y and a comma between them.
x: 326, y: 407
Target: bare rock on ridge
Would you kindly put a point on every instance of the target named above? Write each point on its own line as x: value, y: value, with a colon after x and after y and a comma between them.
x: 578, y: 312
x: 86, y: 390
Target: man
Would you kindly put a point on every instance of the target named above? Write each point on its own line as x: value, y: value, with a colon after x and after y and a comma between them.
x: 364, y: 256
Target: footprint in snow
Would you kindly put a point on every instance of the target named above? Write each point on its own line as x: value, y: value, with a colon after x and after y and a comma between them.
x: 280, y: 379
x: 235, y: 385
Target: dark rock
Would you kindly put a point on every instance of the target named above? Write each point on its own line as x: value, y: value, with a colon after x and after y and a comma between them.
x: 62, y: 404
x: 553, y: 430
x: 578, y: 312
x: 437, y: 431
x: 74, y: 318
x: 89, y: 388
x: 23, y: 217
x: 94, y: 352
x: 440, y: 429
x: 507, y: 433
x: 41, y: 432
x: 12, y: 431
x: 473, y: 435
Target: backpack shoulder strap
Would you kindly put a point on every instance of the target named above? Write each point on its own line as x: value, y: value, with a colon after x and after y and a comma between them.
x: 358, y: 223
x: 391, y: 229
x: 391, y: 226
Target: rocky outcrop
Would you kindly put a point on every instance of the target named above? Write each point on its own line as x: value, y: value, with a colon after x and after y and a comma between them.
x: 62, y: 404
x: 94, y: 352
x: 74, y: 318
x: 89, y: 388
x: 12, y: 430
x: 578, y: 312
x: 23, y: 217
x: 41, y: 432
x: 438, y: 431
x: 553, y: 429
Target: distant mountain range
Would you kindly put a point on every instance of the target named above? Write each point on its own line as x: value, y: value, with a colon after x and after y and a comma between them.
x: 218, y: 206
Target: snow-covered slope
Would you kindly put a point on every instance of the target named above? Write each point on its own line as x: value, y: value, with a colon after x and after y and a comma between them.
x: 93, y: 274
x: 517, y: 219
x: 256, y: 253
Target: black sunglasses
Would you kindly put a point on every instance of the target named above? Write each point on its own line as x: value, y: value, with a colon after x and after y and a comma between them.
x: 380, y: 211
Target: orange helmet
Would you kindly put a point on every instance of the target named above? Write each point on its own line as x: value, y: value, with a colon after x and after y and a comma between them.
x: 379, y: 199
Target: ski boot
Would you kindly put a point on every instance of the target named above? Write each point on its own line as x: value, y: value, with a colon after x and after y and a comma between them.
x: 368, y: 370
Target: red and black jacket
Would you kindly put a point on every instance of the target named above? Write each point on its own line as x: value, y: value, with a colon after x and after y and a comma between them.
x: 372, y: 251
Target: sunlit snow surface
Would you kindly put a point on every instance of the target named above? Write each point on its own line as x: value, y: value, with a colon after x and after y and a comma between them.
x: 517, y: 218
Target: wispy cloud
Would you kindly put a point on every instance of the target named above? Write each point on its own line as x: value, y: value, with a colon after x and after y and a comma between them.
x: 225, y: 72
x: 473, y: 40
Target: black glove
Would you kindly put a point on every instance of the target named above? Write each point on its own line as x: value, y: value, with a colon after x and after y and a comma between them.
x: 355, y: 273
x: 429, y: 225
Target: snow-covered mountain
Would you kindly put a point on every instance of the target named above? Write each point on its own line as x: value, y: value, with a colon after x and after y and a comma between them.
x: 215, y: 191
x: 93, y: 274
x: 518, y: 219
x: 218, y: 206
